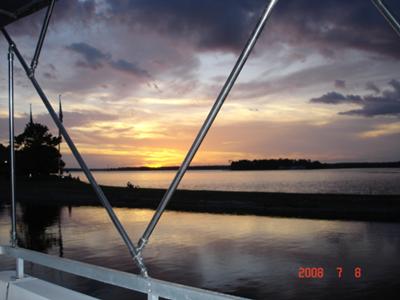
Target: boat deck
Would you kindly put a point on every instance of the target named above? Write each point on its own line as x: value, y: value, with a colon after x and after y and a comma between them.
x: 13, y: 288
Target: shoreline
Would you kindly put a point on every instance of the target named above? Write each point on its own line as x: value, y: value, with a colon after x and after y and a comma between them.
x: 383, y: 208
x: 337, y: 166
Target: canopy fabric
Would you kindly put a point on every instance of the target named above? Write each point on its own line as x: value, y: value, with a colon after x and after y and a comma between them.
x: 12, y: 10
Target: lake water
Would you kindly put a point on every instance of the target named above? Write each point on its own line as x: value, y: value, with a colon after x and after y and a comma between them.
x: 349, y: 181
x: 250, y: 256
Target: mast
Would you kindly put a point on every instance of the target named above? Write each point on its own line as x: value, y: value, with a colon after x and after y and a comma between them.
x: 30, y: 114
x: 60, y: 116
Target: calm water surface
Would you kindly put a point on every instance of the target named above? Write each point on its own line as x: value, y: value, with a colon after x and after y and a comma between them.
x: 350, y: 181
x: 256, y: 257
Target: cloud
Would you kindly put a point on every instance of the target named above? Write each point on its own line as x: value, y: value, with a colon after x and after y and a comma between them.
x: 186, y: 45
x: 382, y: 130
x: 207, y: 24
x: 218, y: 25
x: 85, y: 117
x: 326, y: 26
x: 372, y: 87
x: 78, y: 118
x: 95, y: 58
x: 340, y: 84
x: 337, y: 98
x: 129, y: 67
x: 331, y: 26
x: 387, y: 103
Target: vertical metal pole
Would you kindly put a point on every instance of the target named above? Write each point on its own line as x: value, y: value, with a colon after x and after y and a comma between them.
x: 384, y: 10
x: 99, y: 192
x: 20, y: 268
x: 60, y: 116
x: 12, y: 150
x: 35, y: 59
x: 152, y: 297
x: 208, y: 122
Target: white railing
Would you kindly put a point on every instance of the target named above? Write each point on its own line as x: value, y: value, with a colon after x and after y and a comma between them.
x: 154, y: 288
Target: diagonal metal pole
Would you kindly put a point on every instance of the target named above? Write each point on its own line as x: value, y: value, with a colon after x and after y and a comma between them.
x: 384, y: 10
x: 207, y: 123
x: 35, y: 59
x: 12, y: 148
x: 100, y: 194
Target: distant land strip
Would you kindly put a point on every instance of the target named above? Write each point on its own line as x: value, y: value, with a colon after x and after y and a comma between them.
x: 384, y: 208
x: 262, y: 164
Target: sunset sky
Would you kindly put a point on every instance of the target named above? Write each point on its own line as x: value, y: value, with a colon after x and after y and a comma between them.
x: 138, y: 77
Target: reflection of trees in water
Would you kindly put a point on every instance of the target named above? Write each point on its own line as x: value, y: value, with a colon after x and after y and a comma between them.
x: 34, y: 227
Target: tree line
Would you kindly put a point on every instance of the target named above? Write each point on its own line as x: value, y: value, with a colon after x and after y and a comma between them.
x: 36, y: 153
x: 292, y: 164
x: 275, y: 164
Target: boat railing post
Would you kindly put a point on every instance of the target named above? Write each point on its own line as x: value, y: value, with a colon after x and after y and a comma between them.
x: 388, y: 15
x: 12, y: 155
x: 151, y: 296
x: 207, y: 123
x: 12, y: 150
x: 136, y: 255
x: 20, y: 268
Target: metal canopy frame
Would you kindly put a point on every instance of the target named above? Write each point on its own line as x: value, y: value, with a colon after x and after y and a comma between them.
x: 388, y: 15
x: 136, y: 252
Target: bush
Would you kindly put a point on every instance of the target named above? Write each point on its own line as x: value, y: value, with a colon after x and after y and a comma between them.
x: 131, y: 186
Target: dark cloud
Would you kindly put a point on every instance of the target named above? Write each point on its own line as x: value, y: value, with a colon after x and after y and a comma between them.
x: 95, y: 58
x: 386, y: 103
x: 207, y: 24
x: 325, y: 26
x: 340, y: 84
x: 128, y: 67
x: 372, y: 87
x: 337, y: 98
x: 225, y: 25
x: 331, y: 26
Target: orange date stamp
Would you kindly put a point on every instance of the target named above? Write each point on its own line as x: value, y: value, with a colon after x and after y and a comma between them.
x: 319, y: 272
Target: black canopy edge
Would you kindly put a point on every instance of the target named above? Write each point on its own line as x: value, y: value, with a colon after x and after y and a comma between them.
x: 11, y: 11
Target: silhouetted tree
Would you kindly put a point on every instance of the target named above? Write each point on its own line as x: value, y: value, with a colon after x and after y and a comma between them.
x: 37, y: 153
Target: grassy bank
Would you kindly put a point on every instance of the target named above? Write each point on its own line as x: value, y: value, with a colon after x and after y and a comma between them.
x: 320, y: 206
